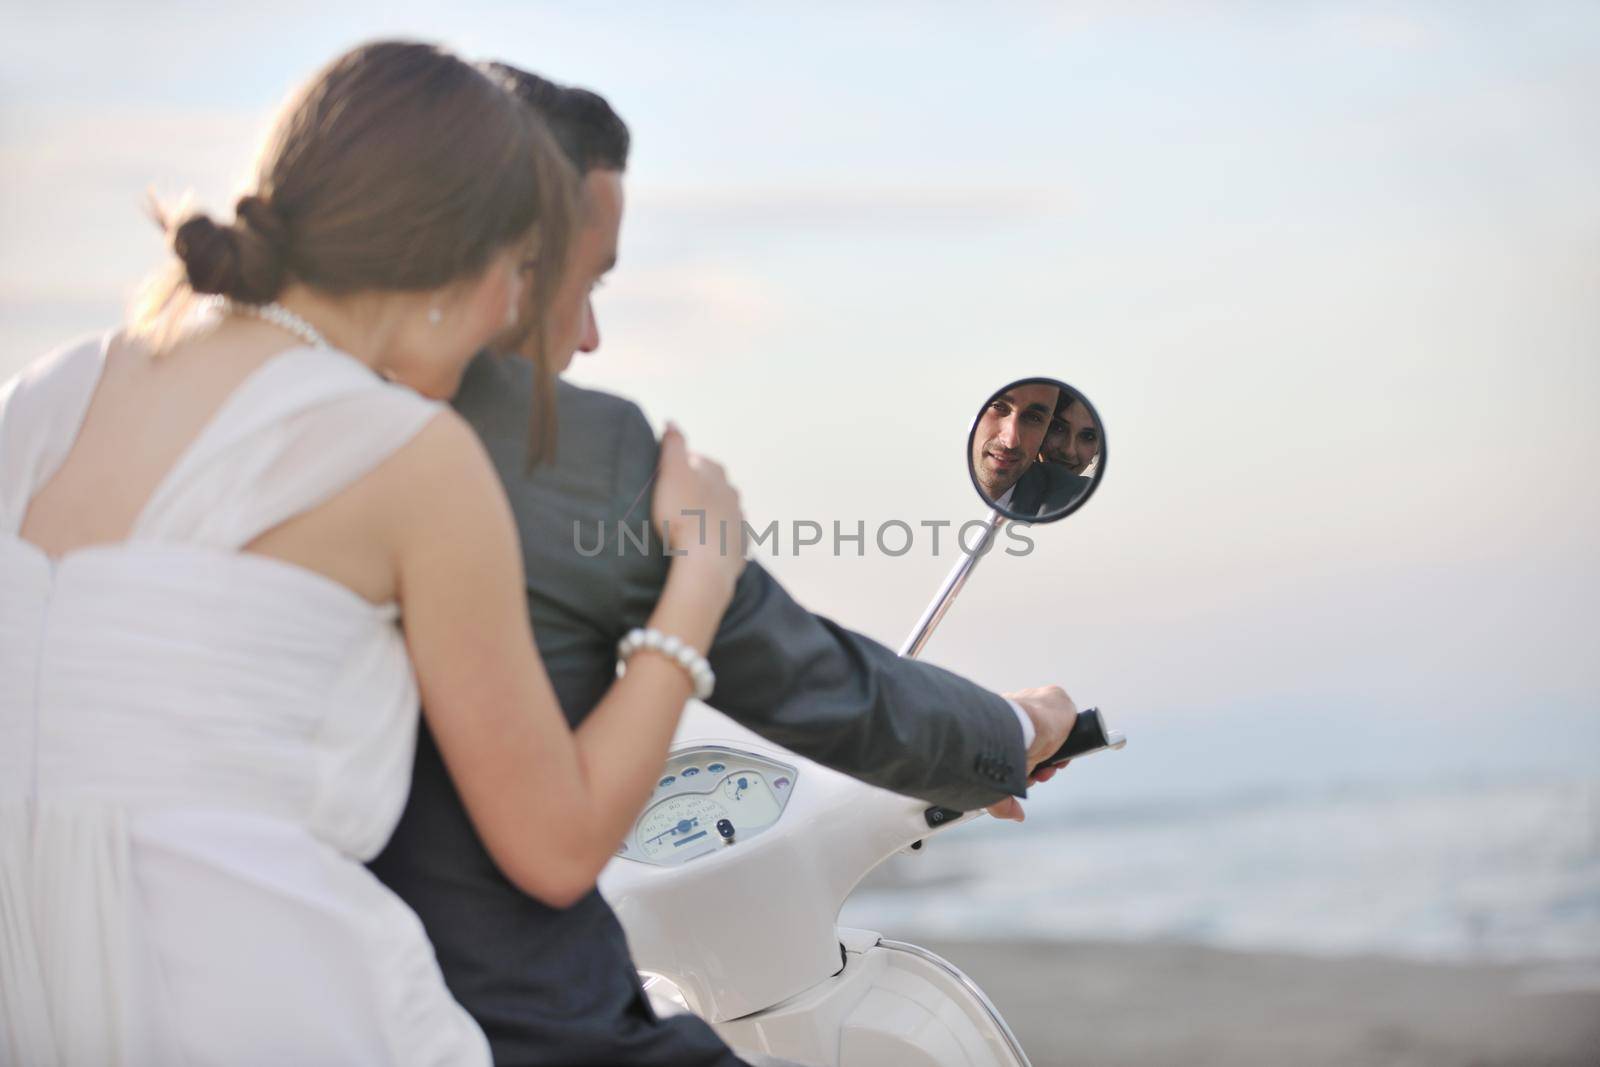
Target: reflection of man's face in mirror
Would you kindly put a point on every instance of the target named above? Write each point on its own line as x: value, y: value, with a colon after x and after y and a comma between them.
x: 1073, y: 439
x: 1009, y: 434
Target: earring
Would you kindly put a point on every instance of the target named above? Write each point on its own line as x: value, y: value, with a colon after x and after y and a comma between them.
x: 434, y: 315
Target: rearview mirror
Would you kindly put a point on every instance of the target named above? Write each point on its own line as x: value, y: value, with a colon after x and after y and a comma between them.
x: 1037, y: 450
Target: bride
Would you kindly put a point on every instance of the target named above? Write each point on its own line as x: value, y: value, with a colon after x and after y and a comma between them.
x: 238, y: 540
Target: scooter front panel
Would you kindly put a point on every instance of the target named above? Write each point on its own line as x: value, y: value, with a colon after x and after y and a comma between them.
x: 739, y: 927
x: 709, y: 797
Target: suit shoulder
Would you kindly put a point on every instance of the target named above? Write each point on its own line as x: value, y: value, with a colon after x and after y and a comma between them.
x: 584, y: 414
x: 496, y: 396
x: 583, y: 402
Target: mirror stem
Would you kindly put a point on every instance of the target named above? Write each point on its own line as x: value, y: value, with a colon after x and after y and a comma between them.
x: 923, y: 631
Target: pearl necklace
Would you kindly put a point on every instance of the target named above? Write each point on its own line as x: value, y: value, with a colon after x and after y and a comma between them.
x: 279, y: 316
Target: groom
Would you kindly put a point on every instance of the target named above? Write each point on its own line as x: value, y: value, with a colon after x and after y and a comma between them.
x: 557, y: 986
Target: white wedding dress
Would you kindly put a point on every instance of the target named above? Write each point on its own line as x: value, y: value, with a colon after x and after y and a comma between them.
x: 199, y: 747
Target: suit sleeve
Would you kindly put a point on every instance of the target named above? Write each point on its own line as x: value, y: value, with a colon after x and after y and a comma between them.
x: 825, y: 692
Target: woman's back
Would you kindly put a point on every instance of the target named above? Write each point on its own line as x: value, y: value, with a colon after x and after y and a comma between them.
x: 207, y: 709
x: 144, y: 413
x: 198, y: 742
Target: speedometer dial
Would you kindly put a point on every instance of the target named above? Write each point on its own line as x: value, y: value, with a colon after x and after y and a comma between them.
x: 679, y: 825
x: 708, y: 798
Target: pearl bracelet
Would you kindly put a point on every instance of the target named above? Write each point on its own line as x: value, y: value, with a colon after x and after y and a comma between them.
x: 683, y: 655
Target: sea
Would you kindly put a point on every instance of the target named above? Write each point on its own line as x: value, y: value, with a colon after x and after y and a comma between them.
x: 1429, y: 857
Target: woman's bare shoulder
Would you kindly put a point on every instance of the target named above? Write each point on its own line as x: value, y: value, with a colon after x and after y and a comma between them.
x: 444, y: 449
x: 444, y: 478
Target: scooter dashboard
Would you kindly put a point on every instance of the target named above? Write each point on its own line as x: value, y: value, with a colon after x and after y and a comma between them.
x: 708, y: 798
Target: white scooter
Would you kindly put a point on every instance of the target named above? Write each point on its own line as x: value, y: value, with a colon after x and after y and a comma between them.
x: 731, y: 883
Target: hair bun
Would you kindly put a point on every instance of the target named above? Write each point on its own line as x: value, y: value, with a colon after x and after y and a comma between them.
x: 210, y: 254
x: 243, y: 262
x: 263, y: 249
x: 263, y: 220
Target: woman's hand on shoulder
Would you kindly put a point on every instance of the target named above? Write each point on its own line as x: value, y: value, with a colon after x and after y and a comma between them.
x: 697, y: 511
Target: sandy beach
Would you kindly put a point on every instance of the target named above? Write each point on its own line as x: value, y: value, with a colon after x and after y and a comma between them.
x: 1158, y: 1005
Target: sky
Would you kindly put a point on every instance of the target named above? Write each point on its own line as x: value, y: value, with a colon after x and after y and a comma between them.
x: 1329, y: 272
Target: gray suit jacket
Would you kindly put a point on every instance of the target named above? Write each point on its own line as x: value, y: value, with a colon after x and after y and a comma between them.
x: 558, y: 987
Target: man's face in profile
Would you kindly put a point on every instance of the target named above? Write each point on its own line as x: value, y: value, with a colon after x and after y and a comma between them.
x: 1073, y: 439
x: 1009, y: 434
x: 570, y: 324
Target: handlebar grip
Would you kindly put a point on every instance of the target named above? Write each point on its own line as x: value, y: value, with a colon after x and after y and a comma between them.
x: 1089, y: 734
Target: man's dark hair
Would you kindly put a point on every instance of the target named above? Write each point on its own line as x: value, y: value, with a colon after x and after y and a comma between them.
x: 592, y: 135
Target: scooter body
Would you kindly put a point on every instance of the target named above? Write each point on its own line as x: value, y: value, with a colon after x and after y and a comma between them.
x: 742, y: 928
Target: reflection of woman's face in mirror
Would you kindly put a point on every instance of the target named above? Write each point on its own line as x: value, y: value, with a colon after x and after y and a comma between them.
x: 1009, y: 435
x: 1073, y: 439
